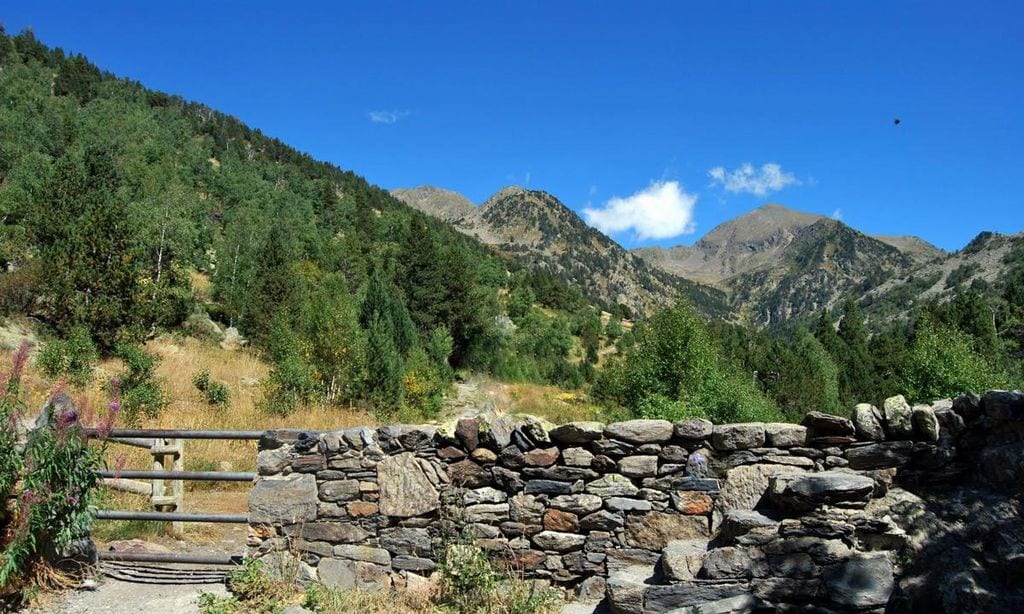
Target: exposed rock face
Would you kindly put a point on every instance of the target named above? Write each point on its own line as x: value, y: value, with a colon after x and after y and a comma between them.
x: 685, y: 517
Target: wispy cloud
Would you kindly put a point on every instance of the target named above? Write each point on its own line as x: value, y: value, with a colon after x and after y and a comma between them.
x: 660, y: 211
x: 837, y: 215
x: 387, y: 117
x: 769, y: 178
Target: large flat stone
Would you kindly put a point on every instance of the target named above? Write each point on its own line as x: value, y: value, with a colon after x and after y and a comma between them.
x: 653, y: 530
x: 405, y: 489
x: 577, y: 432
x: 811, y: 490
x: 640, y: 431
x: 284, y: 500
x: 881, y: 455
x: 745, y: 486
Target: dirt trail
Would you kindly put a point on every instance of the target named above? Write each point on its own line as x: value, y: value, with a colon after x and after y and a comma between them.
x: 115, y: 595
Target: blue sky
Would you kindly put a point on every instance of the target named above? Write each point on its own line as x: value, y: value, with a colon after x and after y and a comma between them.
x: 639, y: 115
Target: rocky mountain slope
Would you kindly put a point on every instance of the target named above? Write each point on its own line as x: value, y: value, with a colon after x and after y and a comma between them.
x: 776, y: 263
x: 536, y: 228
x: 987, y: 263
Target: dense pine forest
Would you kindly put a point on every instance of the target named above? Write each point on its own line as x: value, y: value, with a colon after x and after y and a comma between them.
x: 126, y: 213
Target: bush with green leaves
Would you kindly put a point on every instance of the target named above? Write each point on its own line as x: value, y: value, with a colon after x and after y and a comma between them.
x: 942, y: 363
x: 141, y: 393
x: 72, y: 357
x: 677, y: 370
x: 47, y: 480
x: 215, y: 392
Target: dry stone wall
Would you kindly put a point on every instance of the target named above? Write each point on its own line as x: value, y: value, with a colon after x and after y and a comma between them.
x: 654, y: 515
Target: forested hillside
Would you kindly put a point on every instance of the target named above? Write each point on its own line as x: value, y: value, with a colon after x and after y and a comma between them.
x: 115, y: 198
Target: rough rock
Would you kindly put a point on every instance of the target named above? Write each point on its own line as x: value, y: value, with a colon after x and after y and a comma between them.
x: 926, y: 425
x: 638, y: 466
x: 612, y: 485
x: 577, y: 432
x: 693, y: 429
x: 682, y: 558
x: 744, y: 487
x: 405, y: 489
x: 862, y: 581
x: 785, y: 435
x: 640, y: 431
x: 557, y: 541
x: 577, y: 504
x: 653, y: 531
x: 288, y: 499
x: 811, y: 490
x: 898, y: 417
x: 728, y: 437
x: 880, y: 455
x: 867, y: 422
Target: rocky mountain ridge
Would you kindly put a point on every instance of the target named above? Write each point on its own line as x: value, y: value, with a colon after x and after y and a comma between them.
x: 767, y: 266
x: 536, y: 228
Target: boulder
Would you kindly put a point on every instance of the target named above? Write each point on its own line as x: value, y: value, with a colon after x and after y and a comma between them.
x: 828, y: 428
x: 405, y: 489
x: 577, y: 432
x: 693, y: 429
x: 468, y: 474
x: 865, y: 580
x: 867, y: 422
x: 898, y: 418
x: 729, y: 437
x: 785, y: 435
x: 640, y: 431
x: 624, y: 504
x: 730, y: 562
x: 285, y: 500
x: 405, y: 541
x: 737, y: 523
x: 811, y: 490
x: 362, y: 553
x: 577, y: 457
x: 682, y: 558
x: 926, y: 425
x: 638, y: 466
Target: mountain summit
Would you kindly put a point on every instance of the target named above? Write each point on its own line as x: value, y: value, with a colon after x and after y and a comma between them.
x: 538, y: 229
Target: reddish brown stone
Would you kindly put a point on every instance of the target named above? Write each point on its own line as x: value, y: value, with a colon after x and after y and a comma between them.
x: 557, y: 520
x: 451, y: 453
x: 360, y: 509
x: 468, y: 432
x: 528, y: 559
x: 692, y: 502
x: 541, y: 457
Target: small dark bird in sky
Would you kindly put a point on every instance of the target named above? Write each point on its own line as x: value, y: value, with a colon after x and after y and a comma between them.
x: 896, y: 122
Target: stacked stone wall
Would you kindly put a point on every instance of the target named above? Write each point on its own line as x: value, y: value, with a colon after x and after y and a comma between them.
x: 656, y: 515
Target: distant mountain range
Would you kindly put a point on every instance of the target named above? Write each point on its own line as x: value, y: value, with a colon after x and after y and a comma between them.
x: 767, y: 266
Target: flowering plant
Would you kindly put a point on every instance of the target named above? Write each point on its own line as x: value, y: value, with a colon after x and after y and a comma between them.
x: 48, y: 472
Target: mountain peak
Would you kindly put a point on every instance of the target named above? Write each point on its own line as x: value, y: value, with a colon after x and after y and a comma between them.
x: 441, y: 203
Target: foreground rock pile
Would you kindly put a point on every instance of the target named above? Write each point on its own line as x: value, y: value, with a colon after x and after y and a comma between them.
x: 654, y: 516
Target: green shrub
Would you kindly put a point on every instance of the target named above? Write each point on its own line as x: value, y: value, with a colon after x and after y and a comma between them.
x: 72, y: 357
x: 140, y: 391
x: 216, y: 392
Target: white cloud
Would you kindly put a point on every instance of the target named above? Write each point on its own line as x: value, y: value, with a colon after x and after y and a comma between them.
x: 837, y: 214
x: 660, y: 211
x: 386, y: 117
x: 769, y: 178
